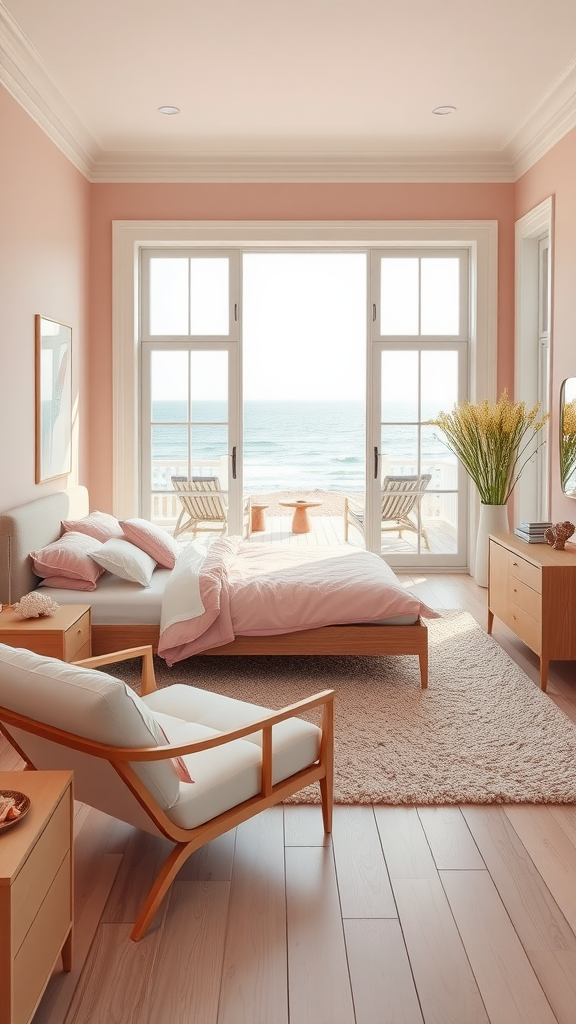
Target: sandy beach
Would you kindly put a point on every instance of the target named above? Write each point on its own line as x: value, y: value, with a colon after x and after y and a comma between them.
x: 332, y: 501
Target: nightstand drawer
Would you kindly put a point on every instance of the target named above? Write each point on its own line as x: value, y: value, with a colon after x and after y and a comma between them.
x: 43, y: 942
x: 37, y: 874
x: 525, y: 598
x: 76, y: 637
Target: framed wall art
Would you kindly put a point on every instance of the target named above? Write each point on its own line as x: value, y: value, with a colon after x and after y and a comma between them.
x: 53, y: 399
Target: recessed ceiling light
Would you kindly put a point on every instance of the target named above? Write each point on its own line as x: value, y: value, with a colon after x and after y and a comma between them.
x: 168, y: 110
x: 444, y: 110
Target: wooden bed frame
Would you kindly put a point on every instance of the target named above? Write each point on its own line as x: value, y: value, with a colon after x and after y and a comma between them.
x: 31, y: 526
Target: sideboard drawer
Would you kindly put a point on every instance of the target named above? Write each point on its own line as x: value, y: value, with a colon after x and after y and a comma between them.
x: 524, y: 571
x: 43, y: 942
x: 526, y: 627
x: 525, y: 598
x: 39, y: 871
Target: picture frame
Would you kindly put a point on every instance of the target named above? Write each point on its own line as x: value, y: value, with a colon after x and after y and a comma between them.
x: 53, y: 399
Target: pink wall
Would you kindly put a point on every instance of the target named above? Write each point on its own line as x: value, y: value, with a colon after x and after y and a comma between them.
x: 555, y: 174
x: 44, y: 219
x: 111, y: 202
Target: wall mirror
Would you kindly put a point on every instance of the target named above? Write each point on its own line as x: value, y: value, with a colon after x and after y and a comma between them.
x: 53, y: 399
x: 568, y: 437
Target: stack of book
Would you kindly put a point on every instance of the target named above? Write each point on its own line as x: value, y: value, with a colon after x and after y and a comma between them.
x: 532, y: 533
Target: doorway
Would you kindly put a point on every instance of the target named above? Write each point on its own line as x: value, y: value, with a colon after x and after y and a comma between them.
x: 304, y: 385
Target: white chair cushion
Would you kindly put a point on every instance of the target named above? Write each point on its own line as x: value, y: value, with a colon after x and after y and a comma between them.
x: 88, y: 703
x: 295, y: 744
x: 223, y: 776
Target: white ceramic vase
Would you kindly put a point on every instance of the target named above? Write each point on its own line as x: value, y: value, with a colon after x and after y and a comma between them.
x: 493, y: 519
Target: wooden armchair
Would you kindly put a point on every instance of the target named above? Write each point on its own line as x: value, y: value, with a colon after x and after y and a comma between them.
x: 128, y: 752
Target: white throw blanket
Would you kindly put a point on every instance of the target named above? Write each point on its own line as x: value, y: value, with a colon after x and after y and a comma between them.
x: 182, y: 600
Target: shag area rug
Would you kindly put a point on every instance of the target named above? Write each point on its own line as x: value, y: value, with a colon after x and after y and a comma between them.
x: 482, y: 732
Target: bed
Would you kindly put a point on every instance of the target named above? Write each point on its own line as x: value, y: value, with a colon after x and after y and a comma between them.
x: 38, y: 523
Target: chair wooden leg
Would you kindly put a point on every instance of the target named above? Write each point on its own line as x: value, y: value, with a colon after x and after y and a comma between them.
x: 327, y: 793
x: 168, y: 872
x: 327, y: 757
x: 67, y: 953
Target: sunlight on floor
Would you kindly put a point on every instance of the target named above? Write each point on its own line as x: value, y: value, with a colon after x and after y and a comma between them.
x: 456, y: 624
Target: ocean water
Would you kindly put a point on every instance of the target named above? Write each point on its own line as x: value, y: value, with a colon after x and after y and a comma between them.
x: 290, y: 445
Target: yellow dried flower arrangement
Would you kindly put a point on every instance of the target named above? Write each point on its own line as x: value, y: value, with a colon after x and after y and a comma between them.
x: 493, y: 442
x: 568, y: 444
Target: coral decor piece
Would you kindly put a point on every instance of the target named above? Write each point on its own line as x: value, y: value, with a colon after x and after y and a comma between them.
x: 558, y: 534
x: 33, y: 605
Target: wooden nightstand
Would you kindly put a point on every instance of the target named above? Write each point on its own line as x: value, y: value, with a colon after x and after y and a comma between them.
x: 36, y: 895
x: 65, y: 635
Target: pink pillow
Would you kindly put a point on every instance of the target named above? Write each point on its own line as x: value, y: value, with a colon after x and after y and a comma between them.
x: 100, y: 525
x: 69, y: 557
x: 153, y: 540
x: 64, y: 583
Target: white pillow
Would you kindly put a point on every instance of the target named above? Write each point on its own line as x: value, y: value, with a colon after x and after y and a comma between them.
x: 125, y: 560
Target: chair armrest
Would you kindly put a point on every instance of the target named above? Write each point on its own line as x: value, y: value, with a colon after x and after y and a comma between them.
x: 147, y: 678
x: 352, y: 506
x: 163, y: 753
x: 324, y: 698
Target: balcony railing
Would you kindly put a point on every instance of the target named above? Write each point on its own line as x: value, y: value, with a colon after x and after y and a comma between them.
x: 439, y: 502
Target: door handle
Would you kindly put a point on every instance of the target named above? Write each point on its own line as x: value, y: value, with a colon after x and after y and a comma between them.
x: 234, y: 462
x: 375, y: 463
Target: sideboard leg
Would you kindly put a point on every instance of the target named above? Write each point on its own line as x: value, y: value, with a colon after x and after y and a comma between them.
x: 490, y: 621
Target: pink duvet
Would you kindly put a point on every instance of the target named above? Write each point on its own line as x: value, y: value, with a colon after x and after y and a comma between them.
x: 250, y: 590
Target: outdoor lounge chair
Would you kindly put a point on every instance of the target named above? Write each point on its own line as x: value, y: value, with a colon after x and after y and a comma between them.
x: 203, y: 505
x: 123, y: 750
x: 400, y: 497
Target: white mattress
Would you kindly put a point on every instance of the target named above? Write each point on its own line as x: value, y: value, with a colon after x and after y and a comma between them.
x: 116, y: 602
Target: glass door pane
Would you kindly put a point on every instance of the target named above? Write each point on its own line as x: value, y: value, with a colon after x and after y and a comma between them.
x: 420, y: 490
x: 420, y: 295
x: 186, y: 462
x: 188, y: 296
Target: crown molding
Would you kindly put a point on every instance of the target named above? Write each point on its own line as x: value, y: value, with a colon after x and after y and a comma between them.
x: 302, y: 167
x: 28, y: 79
x: 552, y: 118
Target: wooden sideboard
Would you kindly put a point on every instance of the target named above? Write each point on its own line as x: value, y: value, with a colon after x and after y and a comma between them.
x: 36, y: 891
x: 532, y: 589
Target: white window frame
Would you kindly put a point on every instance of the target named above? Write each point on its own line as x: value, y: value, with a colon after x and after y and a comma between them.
x: 532, y: 352
x: 480, y: 237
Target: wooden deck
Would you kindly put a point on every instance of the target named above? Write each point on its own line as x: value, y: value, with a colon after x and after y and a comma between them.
x: 330, y: 530
x: 405, y: 915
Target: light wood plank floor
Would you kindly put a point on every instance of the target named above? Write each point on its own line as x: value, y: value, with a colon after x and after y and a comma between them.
x: 406, y: 915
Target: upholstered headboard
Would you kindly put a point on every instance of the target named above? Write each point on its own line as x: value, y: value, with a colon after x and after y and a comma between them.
x: 31, y: 526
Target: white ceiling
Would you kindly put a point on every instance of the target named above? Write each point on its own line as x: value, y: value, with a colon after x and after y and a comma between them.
x: 299, y: 90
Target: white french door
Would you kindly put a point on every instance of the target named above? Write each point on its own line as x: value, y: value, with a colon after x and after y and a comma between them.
x: 418, y: 338
x: 416, y: 508
x: 190, y: 382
